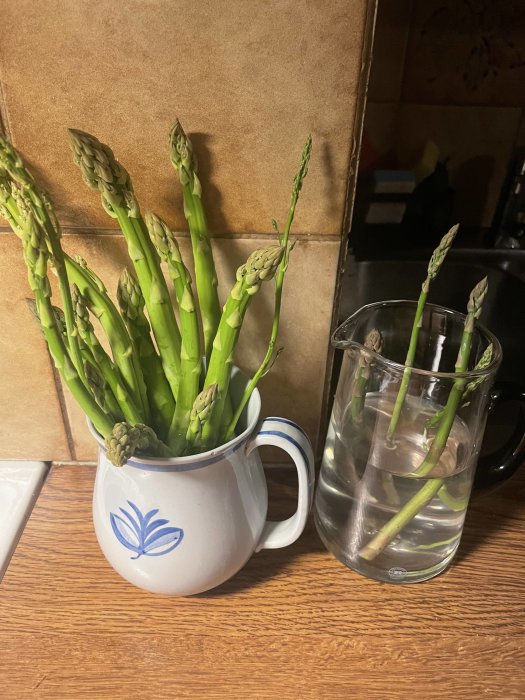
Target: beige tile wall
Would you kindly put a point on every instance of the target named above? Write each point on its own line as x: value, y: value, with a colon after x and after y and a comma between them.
x: 249, y: 80
x: 31, y: 424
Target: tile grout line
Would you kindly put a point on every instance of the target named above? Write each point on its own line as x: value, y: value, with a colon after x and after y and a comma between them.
x: 63, y: 410
x: 4, y: 116
x: 351, y: 178
x: 301, y: 237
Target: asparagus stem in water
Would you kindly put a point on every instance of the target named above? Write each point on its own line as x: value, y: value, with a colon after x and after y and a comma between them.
x: 373, y: 342
x: 484, y: 362
x: 474, y: 309
x: 387, y: 533
x: 394, y: 526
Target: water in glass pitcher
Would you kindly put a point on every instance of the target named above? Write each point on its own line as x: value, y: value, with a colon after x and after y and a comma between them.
x: 366, y: 481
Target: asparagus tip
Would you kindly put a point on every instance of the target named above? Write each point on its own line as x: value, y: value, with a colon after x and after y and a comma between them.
x: 439, y: 254
x: 260, y: 266
x: 181, y: 151
x: 201, y: 411
x: 125, y: 439
x: 477, y: 297
x: 374, y: 341
x: 100, y: 170
x: 162, y: 236
x: 129, y: 295
x: 303, y: 169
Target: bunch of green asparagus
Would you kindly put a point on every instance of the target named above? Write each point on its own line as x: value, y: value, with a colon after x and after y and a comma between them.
x: 163, y: 390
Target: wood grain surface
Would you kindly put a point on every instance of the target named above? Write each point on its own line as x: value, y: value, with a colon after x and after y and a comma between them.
x: 294, y: 623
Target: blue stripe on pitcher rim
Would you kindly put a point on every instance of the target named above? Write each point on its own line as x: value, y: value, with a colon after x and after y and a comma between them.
x: 188, y: 466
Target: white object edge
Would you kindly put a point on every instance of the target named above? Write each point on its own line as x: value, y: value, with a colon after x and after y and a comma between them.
x: 20, y: 486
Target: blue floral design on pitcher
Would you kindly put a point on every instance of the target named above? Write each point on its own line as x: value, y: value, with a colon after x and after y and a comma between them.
x: 143, y: 535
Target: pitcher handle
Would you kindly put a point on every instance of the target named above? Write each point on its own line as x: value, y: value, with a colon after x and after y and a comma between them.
x: 504, y: 461
x: 287, y: 435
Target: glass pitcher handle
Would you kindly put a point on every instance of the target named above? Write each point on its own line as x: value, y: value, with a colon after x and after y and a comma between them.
x: 503, y: 462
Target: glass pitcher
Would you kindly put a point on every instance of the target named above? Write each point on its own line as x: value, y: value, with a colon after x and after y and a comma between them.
x: 383, y: 507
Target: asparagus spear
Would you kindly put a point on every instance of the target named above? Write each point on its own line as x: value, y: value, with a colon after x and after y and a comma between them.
x: 61, y: 327
x: 373, y: 342
x: 387, y: 533
x: 103, y: 173
x: 125, y: 440
x: 36, y: 256
x: 11, y: 162
x: 131, y: 302
x: 474, y: 309
x: 99, y: 388
x: 96, y: 296
x: 270, y: 356
x: 102, y: 391
x: 124, y: 355
x: 484, y: 362
x: 200, y: 414
x: 103, y: 362
x: 438, y: 256
x: 13, y: 208
x: 97, y: 383
x: 27, y: 195
x: 185, y: 162
x: 191, y: 354
x: 401, y: 519
x: 260, y: 266
x: 59, y: 317
x: 352, y: 412
x: 8, y: 209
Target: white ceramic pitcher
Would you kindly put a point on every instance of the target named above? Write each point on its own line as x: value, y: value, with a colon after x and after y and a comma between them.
x: 184, y: 525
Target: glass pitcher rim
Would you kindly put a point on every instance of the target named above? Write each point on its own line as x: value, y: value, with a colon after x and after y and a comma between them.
x: 398, y: 367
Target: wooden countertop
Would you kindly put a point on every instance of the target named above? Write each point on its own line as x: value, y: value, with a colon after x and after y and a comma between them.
x: 293, y: 624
